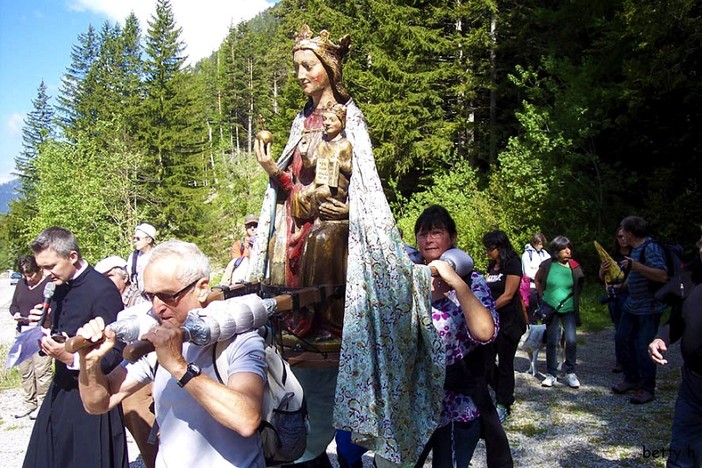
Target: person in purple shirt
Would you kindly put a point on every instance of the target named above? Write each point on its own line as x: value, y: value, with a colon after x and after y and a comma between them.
x: 466, y: 319
x: 36, y: 371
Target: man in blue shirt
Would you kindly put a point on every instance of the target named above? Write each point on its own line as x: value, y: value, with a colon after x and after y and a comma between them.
x: 642, y: 313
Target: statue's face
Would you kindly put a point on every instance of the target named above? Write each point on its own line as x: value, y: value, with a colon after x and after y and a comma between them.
x: 332, y: 124
x: 310, y: 72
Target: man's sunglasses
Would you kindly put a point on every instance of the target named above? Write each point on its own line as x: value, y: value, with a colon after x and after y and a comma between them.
x: 170, y: 298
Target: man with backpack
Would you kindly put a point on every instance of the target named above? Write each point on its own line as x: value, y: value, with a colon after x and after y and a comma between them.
x: 144, y: 241
x: 642, y: 312
x: 202, y: 422
x: 235, y: 271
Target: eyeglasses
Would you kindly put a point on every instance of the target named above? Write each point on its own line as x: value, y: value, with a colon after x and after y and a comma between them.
x: 251, y: 226
x: 169, y: 298
x: 433, y: 234
x: 491, y: 248
x: 138, y: 238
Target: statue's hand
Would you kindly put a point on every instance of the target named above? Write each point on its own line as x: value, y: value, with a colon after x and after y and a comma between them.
x: 303, y: 146
x: 333, y: 209
x: 263, y: 156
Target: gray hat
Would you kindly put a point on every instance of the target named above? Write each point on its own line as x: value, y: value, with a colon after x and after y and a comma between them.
x: 147, y: 229
x: 250, y: 219
x: 107, y: 264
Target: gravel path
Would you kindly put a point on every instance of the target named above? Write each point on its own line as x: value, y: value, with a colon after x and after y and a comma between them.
x: 589, y: 426
x: 548, y: 427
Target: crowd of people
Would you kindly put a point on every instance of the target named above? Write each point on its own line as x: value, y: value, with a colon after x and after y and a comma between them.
x: 480, y: 315
x: 325, y: 221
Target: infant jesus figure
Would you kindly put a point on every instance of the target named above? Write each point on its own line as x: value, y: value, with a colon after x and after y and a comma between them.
x: 331, y: 159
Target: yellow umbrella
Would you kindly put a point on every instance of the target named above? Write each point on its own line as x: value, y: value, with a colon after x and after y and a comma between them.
x: 614, y: 273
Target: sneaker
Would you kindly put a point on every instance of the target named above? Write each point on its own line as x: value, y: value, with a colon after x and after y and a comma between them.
x: 641, y: 397
x: 572, y: 380
x: 33, y: 415
x: 23, y: 413
x: 623, y: 387
x: 502, y: 412
x: 549, y: 381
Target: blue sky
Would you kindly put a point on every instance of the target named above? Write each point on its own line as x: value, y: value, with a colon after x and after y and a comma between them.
x: 36, y: 37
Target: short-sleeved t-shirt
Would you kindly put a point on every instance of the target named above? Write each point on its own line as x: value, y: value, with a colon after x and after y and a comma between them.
x: 641, y: 299
x: 559, y: 285
x: 189, y: 436
x: 497, y: 279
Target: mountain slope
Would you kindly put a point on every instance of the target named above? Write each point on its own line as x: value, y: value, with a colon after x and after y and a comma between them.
x: 8, y: 192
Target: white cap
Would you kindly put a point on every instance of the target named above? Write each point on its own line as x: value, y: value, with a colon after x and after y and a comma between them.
x: 107, y: 264
x: 147, y: 229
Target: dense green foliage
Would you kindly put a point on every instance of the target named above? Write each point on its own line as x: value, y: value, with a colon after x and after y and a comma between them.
x: 522, y: 116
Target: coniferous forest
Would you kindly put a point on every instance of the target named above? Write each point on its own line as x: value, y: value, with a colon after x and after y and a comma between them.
x: 522, y: 115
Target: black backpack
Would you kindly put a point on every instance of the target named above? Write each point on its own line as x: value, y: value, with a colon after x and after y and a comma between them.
x: 672, y: 291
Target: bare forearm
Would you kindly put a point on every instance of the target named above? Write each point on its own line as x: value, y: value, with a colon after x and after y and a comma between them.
x: 94, y: 387
x: 478, y: 318
x: 654, y: 274
x: 511, y: 288
x: 238, y: 410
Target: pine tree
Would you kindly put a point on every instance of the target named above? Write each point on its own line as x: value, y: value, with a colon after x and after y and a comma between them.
x: 74, y: 84
x: 173, y: 132
x: 37, y: 131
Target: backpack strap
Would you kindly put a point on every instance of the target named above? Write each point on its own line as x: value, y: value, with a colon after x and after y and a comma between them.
x: 134, y: 275
x: 218, y: 356
x: 152, y: 439
x: 642, y: 257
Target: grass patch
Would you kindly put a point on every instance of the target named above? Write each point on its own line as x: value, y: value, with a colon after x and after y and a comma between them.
x: 9, y: 378
x: 529, y: 429
x: 594, y: 316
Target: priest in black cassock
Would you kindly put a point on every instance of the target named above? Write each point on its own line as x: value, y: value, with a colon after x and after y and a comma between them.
x: 64, y: 434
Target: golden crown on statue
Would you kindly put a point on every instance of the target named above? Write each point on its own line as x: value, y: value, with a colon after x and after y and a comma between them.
x: 321, y: 44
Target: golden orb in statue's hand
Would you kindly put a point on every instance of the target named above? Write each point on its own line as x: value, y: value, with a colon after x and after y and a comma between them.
x: 264, y: 136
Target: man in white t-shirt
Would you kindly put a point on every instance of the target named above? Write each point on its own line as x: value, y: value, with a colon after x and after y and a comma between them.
x: 202, y: 422
x: 144, y: 241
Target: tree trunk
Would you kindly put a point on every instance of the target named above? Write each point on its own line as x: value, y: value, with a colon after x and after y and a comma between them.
x: 493, y: 93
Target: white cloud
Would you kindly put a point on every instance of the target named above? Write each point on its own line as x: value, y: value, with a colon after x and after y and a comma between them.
x: 10, y: 143
x: 6, y: 177
x: 13, y: 124
x: 205, y: 23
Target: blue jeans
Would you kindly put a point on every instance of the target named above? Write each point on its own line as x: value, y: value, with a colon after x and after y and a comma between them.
x: 454, y: 440
x: 686, y: 441
x: 346, y: 449
x: 553, y: 336
x: 633, y: 336
x: 616, y: 309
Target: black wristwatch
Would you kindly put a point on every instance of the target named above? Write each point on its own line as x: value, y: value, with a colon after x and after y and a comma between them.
x: 190, y: 372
